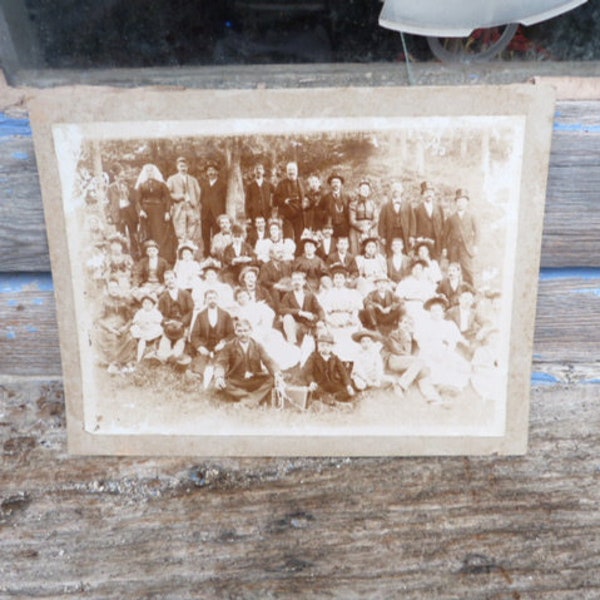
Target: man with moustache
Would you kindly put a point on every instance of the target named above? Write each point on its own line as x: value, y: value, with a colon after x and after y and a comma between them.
x: 259, y: 195
x: 288, y: 199
x: 336, y: 205
x: 185, y: 202
x: 214, y: 203
x: 396, y: 220
x: 429, y: 220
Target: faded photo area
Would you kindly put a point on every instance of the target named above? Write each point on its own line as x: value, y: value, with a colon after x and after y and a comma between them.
x: 294, y: 277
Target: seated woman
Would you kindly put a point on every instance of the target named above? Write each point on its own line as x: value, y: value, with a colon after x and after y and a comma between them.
x: 118, y: 263
x: 432, y: 268
x: 111, y: 337
x: 261, y: 317
x: 415, y: 290
x: 371, y: 264
x: 487, y: 376
x: 309, y: 263
x: 263, y: 247
x: 341, y: 306
x: 210, y: 269
x: 149, y: 272
x: 438, y: 339
x: 187, y: 270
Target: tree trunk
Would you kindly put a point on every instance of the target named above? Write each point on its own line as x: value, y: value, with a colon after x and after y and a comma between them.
x: 235, y: 183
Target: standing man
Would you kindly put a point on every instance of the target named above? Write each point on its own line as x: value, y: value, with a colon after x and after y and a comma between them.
x: 185, y: 202
x: 336, y: 205
x: 121, y: 209
x: 244, y: 371
x: 259, y: 195
x: 461, y: 236
x: 397, y: 220
x: 288, y: 198
x: 429, y: 220
x: 214, y: 202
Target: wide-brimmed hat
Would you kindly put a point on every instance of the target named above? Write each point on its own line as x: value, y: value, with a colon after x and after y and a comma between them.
x: 212, y: 163
x: 150, y: 244
x: 308, y: 237
x: 441, y: 300
x: 361, y: 333
x: 325, y: 338
x: 338, y: 268
x: 181, y: 159
x: 186, y: 246
x: 237, y: 229
x: 210, y: 263
x: 333, y: 176
x: 150, y: 296
x: 119, y: 239
x: 423, y: 242
x: 365, y: 182
x: 247, y: 269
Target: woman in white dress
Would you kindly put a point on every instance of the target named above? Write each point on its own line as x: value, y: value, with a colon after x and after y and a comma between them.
x: 432, y: 269
x: 437, y: 339
x: 415, y: 290
x: 261, y: 316
x: 187, y: 270
x: 370, y: 264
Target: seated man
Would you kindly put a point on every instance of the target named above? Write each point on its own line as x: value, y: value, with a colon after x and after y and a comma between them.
x: 325, y: 373
x: 382, y: 307
x: 244, y: 371
x: 300, y: 310
x: 176, y: 306
x: 398, y: 347
x: 236, y: 255
x: 211, y: 330
x: 275, y: 274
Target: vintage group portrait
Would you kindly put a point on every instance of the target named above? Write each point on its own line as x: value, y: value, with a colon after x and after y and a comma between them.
x: 295, y: 272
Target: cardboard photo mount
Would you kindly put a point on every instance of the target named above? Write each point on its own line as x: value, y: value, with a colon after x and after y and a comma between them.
x: 497, y: 137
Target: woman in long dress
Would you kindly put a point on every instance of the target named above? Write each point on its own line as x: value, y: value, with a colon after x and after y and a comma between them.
x: 154, y: 201
x: 438, y: 339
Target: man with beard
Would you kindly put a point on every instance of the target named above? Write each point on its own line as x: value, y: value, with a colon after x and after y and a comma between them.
x: 336, y: 204
x: 288, y: 198
x: 214, y: 202
x: 396, y: 220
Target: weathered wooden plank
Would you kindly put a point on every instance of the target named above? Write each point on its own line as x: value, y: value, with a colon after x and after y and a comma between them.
x: 415, y: 528
x: 574, y: 179
x: 567, y: 332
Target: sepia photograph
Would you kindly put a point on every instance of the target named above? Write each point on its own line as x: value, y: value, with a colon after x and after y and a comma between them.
x: 355, y: 279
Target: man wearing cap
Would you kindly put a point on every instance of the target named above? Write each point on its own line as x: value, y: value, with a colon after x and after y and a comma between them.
x: 259, y: 195
x: 325, y: 373
x: 185, y: 202
x: 288, y: 199
x: 300, y: 309
x: 244, y: 371
x: 214, y: 202
x: 121, y: 210
x: 461, y: 236
x: 367, y: 370
x: 396, y: 220
x: 382, y: 308
x: 248, y: 281
x: 363, y: 217
x: 429, y: 220
x: 150, y: 270
x: 176, y: 306
x: 237, y: 255
x: 211, y: 330
x: 336, y: 204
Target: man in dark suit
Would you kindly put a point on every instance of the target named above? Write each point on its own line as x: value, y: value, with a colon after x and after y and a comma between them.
x: 325, y: 373
x: 211, y: 330
x: 429, y: 220
x: 236, y: 256
x: 214, y: 203
x: 150, y: 269
x: 176, y: 306
x: 382, y: 308
x: 288, y: 199
x: 300, y: 310
x: 341, y: 255
x: 336, y: 205
x: 259, y: 195
x: 121, y: 209
x: 272, y: 272
x: 461, y: 236
x: 396, y: 220
x: 244, y: 371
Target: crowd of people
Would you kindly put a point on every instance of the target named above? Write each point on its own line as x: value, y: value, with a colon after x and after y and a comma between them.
x: 341, y: 292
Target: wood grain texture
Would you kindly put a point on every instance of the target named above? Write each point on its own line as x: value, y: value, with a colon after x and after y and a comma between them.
x: 567, y: 331
x: 415, y: 528
x: 571, y: 225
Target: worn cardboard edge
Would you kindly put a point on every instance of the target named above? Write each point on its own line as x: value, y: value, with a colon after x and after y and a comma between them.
x: 81, y: 105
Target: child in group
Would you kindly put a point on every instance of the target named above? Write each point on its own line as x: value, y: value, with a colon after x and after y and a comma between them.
x: 187, y: 270
x: 147, y: 324
x: 368, y: 371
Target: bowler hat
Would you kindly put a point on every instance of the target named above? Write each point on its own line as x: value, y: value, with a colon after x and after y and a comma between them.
x: 150, y: 244
x: 326, y: 338
x: 333, y: 176
x: 461, y: 193
x: 361, y: 333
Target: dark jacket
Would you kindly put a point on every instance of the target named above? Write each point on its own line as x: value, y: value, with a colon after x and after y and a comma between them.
x: 258, y: 199
x: 214, y: 198
x: 430, y: 227
x: 289, y: 306
x: 178, y: 310
x: 460, y: 234
x: 203, y: 336
x: 141, y: 271
x: 389, y: 222
x: 294, y: 190
x: 271, y: 273
x: 233, y: 363
x: 325, y: 373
